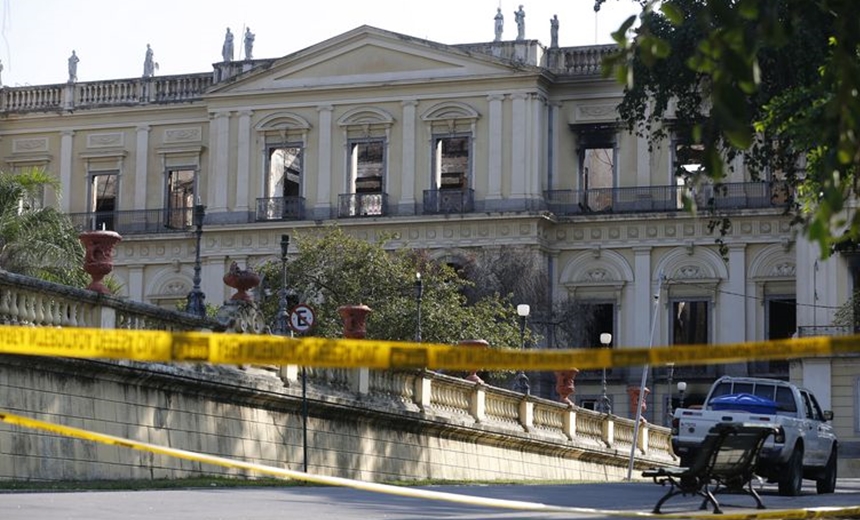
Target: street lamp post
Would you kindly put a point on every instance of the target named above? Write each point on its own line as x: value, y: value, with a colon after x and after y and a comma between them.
x: 605, y: 406
x: 521, y: 383
x: 419, y: 293
x: 670, y: 376
x: 281, y: 324
x: 196, y: 298
x: 682, y: 387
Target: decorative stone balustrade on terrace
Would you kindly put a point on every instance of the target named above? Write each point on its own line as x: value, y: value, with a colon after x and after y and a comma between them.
x: 416, y: 393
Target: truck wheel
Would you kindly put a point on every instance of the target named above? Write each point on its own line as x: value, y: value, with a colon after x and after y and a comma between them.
x: 792, y: 477
x: 827, y: 482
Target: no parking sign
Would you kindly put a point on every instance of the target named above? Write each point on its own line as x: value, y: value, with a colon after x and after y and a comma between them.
x: 301, y: 318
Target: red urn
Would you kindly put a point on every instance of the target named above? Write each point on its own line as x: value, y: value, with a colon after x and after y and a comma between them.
x: 633, y: 392
x: 98, y: 261
x: 565, y: 385
x: 242, y: 281
x: 354, y: 320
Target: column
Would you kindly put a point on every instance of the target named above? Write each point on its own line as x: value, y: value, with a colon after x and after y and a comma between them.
x: 243, y: 160
x: 408, y: 171
x: 495, y: 148
x: 553, y: 142
x: 324, y: 174
x: 536, y: 146
x: 66, y: 159
x: 730, y: 306
x: 643, y: 299
x: 216, y: 193
x: 643, y: 162
x: 519, y: 125
x: 141, y: 165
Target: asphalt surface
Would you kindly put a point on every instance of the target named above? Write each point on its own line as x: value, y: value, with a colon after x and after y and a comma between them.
x: 322, y: 503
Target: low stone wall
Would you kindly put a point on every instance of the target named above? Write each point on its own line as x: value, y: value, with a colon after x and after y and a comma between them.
x: 403, y: 426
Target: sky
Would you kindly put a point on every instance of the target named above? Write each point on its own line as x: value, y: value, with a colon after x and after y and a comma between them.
x: 110, y: 36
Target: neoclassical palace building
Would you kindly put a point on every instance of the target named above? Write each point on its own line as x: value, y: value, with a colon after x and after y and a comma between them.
x: 448, y: 148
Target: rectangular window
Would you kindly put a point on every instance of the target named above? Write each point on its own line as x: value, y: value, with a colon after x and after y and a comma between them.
x: 690, y: 322
x: 35, y: 199
x: 285, y: 171
x: 180, y: 198
x: 597, y: 318
x: 781, y: 320
x: 367, y: 169
x: 103, y: 195
x: 451, y: 162
x: 367, y: 162
x: 687, y: 166
x: 690, y: 325
x: 597, y: 161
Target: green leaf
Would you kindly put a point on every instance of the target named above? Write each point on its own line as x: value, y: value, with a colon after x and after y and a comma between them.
x: 672, y: 12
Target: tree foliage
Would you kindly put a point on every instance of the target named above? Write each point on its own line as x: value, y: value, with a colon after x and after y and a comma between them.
x: 333, y: 269
x: 37, y: 241
x: 775, y: 81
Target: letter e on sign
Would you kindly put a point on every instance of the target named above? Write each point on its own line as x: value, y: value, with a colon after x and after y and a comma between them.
x: 301, y: 318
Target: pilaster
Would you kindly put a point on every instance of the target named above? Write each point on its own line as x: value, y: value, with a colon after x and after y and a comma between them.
x: 408, y: 172
x: 496, y: 148
x: 519, y: 124
x: 243, y: 160
x: 326, y: 179
x: 219, y: 167
x: 141, y: 165
x: 66, y: 159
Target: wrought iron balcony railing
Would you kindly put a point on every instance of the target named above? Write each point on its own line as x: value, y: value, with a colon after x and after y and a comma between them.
x: 645, y: 199
x: 449, y: 201
x: 808, y: 331
x: 362, y: 205
x: 133, y: 222
x: 281, y: 208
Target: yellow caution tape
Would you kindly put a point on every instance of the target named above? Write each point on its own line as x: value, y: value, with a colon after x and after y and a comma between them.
x: 161, y: 346
x: 18, y: 420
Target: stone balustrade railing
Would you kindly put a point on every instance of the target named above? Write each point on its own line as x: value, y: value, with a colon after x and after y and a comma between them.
x: 578, y: 61
x: 28, y: 301
x: 463, y: 402
x: 96, y: 94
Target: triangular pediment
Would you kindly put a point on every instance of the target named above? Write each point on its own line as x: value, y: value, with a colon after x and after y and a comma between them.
x: 368, y: 56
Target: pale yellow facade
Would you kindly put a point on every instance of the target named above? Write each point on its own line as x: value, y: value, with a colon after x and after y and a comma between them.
x: 525, y: 119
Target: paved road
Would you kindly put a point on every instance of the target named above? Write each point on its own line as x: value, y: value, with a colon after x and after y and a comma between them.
x: 323, y: 503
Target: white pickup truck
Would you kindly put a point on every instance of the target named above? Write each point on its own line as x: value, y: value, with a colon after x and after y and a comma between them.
x: 804, y: 447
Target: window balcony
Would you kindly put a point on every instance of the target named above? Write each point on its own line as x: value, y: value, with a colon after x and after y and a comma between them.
x: 649, y: 199
x: 136, y: 222
x: 281, y: 208
x: 449, y: 201
x: 362, y: 205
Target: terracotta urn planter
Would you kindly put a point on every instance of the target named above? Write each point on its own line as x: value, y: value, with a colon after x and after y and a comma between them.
x: 565, y: 385
x: 633, y: 392
x: 242, y: 281
x: 477, y: 343
x: 98, y: 261
x: 354, y: 320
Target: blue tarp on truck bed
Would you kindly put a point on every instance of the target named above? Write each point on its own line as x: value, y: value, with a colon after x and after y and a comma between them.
x: 744, y: 402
